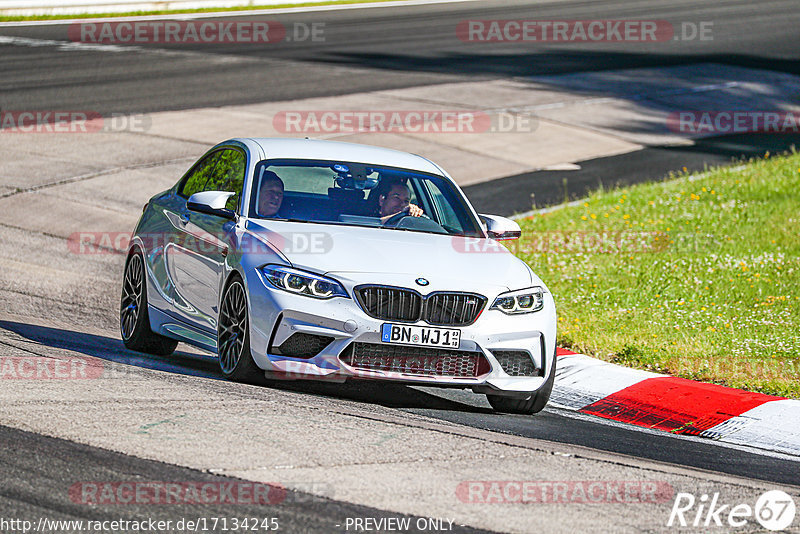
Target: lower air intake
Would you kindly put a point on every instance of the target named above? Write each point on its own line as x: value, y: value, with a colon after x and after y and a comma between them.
x: 419, y: 361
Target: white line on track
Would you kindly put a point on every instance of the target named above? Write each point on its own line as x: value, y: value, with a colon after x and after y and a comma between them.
x: 226, y: 14
x: 69, y: 46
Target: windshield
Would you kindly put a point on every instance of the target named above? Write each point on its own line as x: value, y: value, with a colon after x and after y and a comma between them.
x: 357, y: 194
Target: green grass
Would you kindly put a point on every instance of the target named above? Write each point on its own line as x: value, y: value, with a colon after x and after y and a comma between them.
x: 698, y: 277
x: 19, y: 18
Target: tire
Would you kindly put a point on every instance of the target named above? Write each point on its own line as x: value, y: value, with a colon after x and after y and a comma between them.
x: 233, y: 336
x: 134, y: 321
x: 526, y: 406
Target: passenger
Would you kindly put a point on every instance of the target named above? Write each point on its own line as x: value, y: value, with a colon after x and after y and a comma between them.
x: 270, y: 194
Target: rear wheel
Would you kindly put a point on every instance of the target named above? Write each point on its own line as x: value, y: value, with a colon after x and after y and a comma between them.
x: 233, y: 336
x: 533, y: 404
x: 134, y: 321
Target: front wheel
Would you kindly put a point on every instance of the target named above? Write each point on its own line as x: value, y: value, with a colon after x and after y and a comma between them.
x: 134, y: 321
x: 527, y: 406
x: 233, y: 336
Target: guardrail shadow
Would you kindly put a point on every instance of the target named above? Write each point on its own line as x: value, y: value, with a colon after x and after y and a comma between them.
x: 391, y: 395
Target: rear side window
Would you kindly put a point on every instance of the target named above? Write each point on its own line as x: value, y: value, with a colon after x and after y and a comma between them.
x: 222, y: 170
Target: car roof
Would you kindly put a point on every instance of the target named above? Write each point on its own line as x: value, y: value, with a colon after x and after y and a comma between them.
x: 284, y: 148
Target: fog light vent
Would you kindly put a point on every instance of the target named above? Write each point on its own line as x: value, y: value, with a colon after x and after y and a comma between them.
x: 302, y: 345
x: 517, y: 363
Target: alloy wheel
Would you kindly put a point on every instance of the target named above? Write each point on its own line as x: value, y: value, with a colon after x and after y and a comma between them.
x: 232, y: 327
x: 131, y: 296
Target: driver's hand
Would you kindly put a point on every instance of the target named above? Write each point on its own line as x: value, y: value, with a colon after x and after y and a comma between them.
x: 414, y: 210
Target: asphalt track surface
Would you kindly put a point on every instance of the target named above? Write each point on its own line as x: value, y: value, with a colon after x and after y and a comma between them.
x: 378, y: 49
x: 516, y: 194
x: 33, y: 468
x: 384, y: 48
x: 457, y: 406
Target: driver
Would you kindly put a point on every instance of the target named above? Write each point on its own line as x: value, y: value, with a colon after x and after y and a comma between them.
x: 396, y: 200
x: 270, y: 194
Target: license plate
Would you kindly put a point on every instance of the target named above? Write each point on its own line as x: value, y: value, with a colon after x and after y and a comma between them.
x: 420, y: 335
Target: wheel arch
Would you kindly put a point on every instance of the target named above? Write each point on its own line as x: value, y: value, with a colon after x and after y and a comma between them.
x: 233, y: 274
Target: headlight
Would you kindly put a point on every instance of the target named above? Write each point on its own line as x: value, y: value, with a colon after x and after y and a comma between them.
x: 302, y: 283
x: 521, y: 301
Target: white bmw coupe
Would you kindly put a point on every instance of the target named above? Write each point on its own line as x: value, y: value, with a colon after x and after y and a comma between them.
x: 305, y: 259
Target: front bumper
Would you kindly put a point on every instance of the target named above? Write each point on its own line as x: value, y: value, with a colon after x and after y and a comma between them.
x: 277, y: 315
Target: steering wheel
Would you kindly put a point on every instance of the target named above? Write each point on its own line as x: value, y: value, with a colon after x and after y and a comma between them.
x: 395, y: 219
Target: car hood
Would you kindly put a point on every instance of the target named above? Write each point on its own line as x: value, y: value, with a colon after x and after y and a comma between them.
x: 456, y: 262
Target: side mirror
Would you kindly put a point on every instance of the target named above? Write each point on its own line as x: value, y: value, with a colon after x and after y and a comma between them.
x: 212, y: 203
x: 500, y: 228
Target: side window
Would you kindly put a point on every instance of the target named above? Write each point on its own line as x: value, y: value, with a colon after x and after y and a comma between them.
x: 228, y: 176
x: 221, y: 171
x: 196, y: 181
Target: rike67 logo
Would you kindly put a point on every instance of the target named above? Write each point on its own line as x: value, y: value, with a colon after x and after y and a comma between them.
x: 774, y: 510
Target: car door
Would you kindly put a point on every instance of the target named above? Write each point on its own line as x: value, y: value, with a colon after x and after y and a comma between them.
x: 197, y: 256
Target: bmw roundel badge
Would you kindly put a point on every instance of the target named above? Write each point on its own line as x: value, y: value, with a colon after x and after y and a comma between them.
x: 422, y: 281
